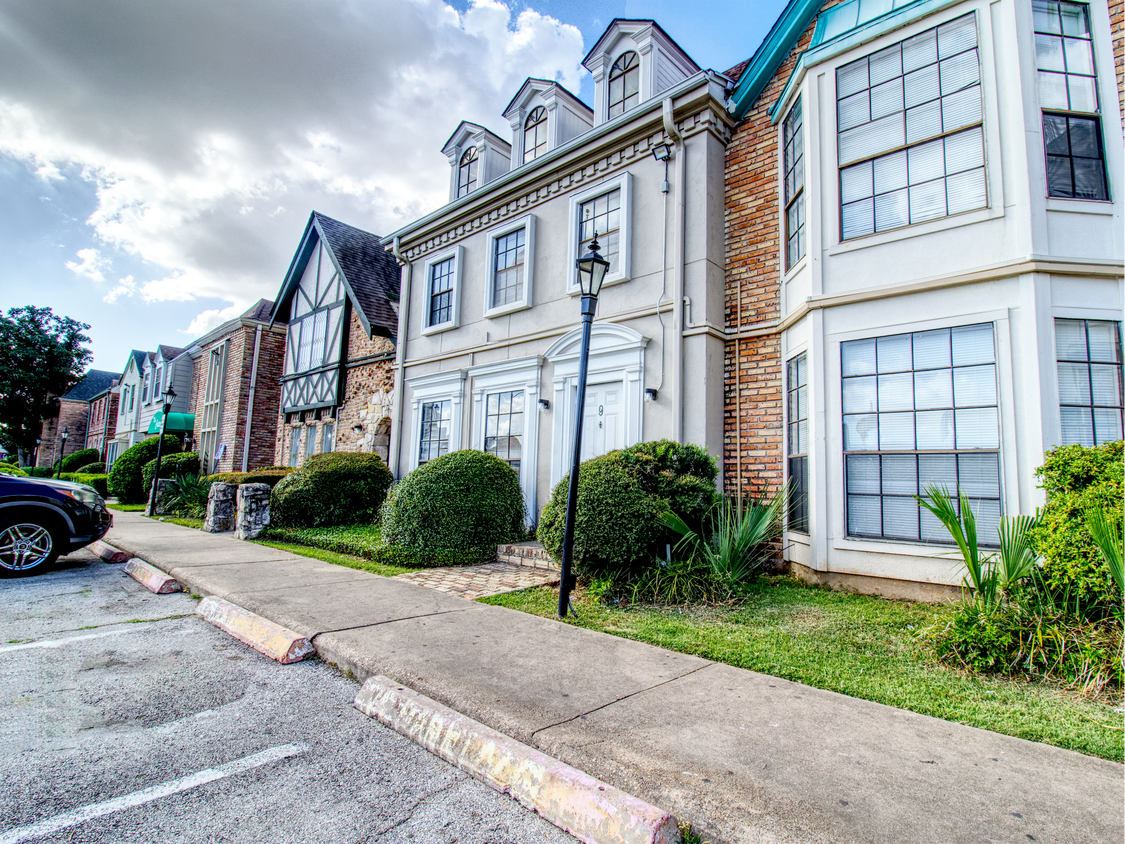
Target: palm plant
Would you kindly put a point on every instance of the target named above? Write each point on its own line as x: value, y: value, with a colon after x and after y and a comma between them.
x: 1107, y: 536
x: 989, y: 577
x: 739, y: 543
x: 187, y: 495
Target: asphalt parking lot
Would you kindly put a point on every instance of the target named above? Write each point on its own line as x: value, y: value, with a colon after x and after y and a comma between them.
x: 128, y: 719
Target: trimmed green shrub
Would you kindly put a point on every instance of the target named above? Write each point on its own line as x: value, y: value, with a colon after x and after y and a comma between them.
x: 126, y: 481
x: 1078, y: 478
x: 9, y: 469
x: 621, y: 496
x: 337, y: 488
x: 73, y: 462
x: 41, y: 472
x: 465, y: 501
x: 271, y: 475
x: 365, y: 541
x: 171, y: 466
x: 100, y: 483
x: 92, y: 469
x: 616, y: 527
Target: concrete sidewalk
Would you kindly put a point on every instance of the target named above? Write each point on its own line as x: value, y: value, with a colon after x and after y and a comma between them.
x: 743, y: 756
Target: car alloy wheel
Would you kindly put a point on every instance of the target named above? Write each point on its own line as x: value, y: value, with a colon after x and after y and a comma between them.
x: 24, y: 546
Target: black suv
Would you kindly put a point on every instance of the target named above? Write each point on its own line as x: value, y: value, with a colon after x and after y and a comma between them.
x: 41, y: 519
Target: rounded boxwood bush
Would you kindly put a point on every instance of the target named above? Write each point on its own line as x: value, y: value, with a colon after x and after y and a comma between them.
x: 464, y: 501
x: 337, y: 488
x: 171, y: 466
x: 9, y: 469
x: 91, y: 469
x: 270, y: 475
x: 126, y: 481
x: 620, y: 496
x: 1075, y: 479
x: 73, y: 462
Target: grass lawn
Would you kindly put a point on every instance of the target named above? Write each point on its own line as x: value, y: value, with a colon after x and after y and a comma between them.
x: 186, y: 521
x: 353, y: 546
x: 857, y: 645
x: 125, y: 508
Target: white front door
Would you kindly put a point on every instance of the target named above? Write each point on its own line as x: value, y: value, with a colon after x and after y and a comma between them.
x: 603, y: 425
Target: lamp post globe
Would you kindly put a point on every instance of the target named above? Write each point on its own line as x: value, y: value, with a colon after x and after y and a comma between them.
x: 167, y: 397
x: 62, y: 452
x: 592, y: 269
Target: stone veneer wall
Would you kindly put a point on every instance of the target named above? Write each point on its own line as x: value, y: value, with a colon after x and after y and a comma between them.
x: 236, y: 393
x: 73, y: 416
x: 98, y: 434
x: 368, y: 395
x: 753, y: 442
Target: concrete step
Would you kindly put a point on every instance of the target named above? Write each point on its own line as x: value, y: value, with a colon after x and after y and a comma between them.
x: 529, y: 554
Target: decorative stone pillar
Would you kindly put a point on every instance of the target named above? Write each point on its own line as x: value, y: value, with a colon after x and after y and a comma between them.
x: 253, y: 510
x: 163, y: 487
x: 220, y: 508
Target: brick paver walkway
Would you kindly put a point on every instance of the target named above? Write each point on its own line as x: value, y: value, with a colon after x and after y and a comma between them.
x: 477, y: 581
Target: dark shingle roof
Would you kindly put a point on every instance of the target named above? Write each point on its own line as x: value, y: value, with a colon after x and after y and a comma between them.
x: 169, y: 352
x: 371, y: 274
x: 139, y: 359
x: 736, y: 72
x: 260, y: 311
x: 93, y: 382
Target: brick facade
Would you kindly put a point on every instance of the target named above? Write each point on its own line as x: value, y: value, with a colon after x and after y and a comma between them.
x: 363, y: 421
x: 100, y: 428
x: 236, y: 395
x: 1117, y: 28
x: 72, y: 416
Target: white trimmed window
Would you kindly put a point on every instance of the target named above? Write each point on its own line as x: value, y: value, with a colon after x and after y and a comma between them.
x: 797, y: 390
x: 212, y: 410
x: 1090, y: 393
x: 157, y: 387
x: 624, y: 83
x: 1068, y: 93
x: 920, y: 409
x: 604, y: 210
x: 436, y: 415
x: 794, y: 144
x: 535, y: 134
x: 467, y: 171
x: 328, y: 437
x: 442, y: 305
x: 910, y: 140
x: 511, y: 266
x: 434, y: 441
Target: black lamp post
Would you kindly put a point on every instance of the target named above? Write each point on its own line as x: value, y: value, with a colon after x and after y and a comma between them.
x: 62, y: 452
x: 168, y: 396
x: 592, y: 268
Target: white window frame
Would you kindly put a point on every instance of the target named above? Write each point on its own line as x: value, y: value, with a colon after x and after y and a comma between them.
x: 527, y: 223
x: 442, y: 386
x: 624, y: 183
x: 511, y: 376
x: 457, y: 253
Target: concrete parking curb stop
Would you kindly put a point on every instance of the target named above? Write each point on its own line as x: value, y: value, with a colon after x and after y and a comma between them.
x: 151, y: 577
x: 587, y: 808
x: 108, y: 553
x: 273, y: 640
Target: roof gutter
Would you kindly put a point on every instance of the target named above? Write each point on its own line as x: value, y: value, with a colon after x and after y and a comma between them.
x: 399, y: 387
x: 768, y: 57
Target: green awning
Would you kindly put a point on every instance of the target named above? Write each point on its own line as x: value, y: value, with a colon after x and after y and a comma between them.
x: 178, y: 423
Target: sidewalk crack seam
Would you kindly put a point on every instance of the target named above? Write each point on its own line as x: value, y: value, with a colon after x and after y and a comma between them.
x: 618, y: 700
x: 388, y: 621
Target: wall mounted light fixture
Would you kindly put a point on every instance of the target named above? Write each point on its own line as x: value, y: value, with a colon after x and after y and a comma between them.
x: 544, y: 404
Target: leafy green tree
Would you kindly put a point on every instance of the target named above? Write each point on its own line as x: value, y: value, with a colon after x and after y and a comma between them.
x: 42, y: 356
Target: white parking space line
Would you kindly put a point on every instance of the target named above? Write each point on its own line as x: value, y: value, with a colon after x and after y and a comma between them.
x: 138, y: 798
x: 58, y: 643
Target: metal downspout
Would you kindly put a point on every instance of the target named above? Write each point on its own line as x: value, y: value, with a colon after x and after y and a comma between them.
x: 678, y: 299
x: 250, y: 399
x: 400, y: 358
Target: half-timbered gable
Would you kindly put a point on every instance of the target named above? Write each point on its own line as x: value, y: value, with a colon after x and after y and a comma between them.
x: 340, y: 294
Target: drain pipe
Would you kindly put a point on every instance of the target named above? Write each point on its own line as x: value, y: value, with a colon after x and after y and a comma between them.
x: 250, y: 398
x: 400, y: 357
x: 678, y: 278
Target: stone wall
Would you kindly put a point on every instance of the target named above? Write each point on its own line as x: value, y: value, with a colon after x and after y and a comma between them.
x: 367, y: 405
x: 753, y: 444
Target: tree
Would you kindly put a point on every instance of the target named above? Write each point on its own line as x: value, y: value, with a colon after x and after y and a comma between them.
x: 42, y: 356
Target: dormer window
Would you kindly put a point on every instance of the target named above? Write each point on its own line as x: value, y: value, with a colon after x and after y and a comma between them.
x: 467, y: 172
x: 535, y: 134
x: 624, y: 84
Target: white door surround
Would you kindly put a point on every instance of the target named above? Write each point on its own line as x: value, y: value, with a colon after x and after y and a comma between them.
x: 617, y: 353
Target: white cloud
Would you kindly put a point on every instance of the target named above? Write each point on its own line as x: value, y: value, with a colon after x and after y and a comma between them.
x: 90, y: 265
x: 194, y: 118
x: 125, y: 287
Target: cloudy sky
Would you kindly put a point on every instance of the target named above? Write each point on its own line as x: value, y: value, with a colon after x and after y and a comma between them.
x: 159, y: 160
